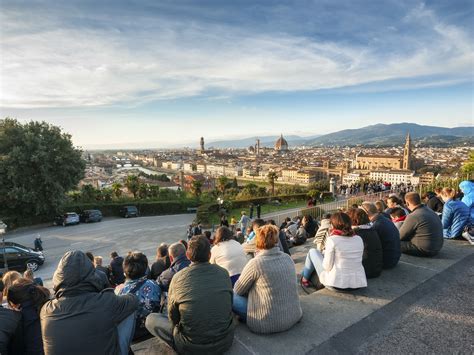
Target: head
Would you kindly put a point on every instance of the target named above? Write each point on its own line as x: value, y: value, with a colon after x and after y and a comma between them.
x: 135, y: 265
x: 9, y: 278
x: 113, y: 254
x: 413, y: 200
x: 176, y: 250
x: 199, y: 249
x: 370, y: 209
x: 223, y: 234
x: 392, y: 201
x: 266, y: 237
x: 447, y: 194
x: 207, y: 234
x: 98, y: 261
x: 438, y: 190
x: 380, y: 205
x: 397, y: 212
x: 358, y: 216
x: 162, y: 251
x: 185, y: 243
x: 28, y: 274
x: 327, y: 216
x: 90, y: 256
x: 341, y: 221
x: 272, y: 222
x: 257, y: 223
x: 307, y: 219
x: 23, y: 291
x: 243, y: 213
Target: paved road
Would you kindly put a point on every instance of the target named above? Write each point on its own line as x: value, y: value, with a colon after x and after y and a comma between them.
x: 121, y: 235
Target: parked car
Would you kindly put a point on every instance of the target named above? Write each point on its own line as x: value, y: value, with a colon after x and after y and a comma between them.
x: 91, y: 216
x: 20, y: 257
x: 129, y: 211
x: 66, y: 219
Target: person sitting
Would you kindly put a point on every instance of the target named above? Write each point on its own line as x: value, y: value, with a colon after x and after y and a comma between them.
x: 9, y: 322
x: 116, y: 269
x: 394, y: 202
x: 208, y: 235
x: 239, y: 236
x: 249, y: 244
x: 310, y: 225
x: 341, y: 267
x: 299, y: 237
x: 398, y: 216
x: 199, y: 306
x: 228, y: 253
x: 27, y: 298
x: 285, y: 223
x: 100, y: 274
x: 161, y: 263
x: 8, y: 279
x: 456, y: 214
x: 372, y: 259
x: 265, y: 296
x: 422, y: 232
x: 435, y: 202
x: 83, y: 318
x: 323, y: 232
x: 98, y: 260
x: 283, y: 244
x: 136, y: 282
x: 388, y: 234
x: 29, y: 275
x: 179, y: 261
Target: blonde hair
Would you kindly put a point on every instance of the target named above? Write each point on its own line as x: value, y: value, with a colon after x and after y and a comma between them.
x: 98, y: 260
x: 28, y: 274
x: 8, y: 279
x: 448, y: 192
x: 267, y: 237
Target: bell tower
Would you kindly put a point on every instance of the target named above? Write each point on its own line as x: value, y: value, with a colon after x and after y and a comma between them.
x: 407, y: 153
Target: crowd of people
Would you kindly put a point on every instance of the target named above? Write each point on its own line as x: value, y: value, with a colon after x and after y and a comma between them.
x: 195, y: 291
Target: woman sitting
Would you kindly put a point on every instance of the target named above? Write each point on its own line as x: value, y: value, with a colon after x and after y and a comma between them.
x: 341, y: 267
x: 456, y: 214
x: 27, y: 298
x: 372, y: 259
x: 265, y: 296
x: 228, y: 253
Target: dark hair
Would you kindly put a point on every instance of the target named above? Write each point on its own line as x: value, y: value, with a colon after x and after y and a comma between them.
x: 326, y: 216
x: 162, y: 250
x: 207, y: 234
x: 90, y: 256
x: 358, y: 216
x: 414, y: 198
x: 113, y: 254
x: 185, y: 243
x: 342, y: 222
x: 355, y: 205
x: 394, y: 199
x: 24, y: 290
x: 397, y: 212
x: 258, y: 222
x: 135, y: 265
x: 272, y: 222
x: 1, y: 286
x: 223, y: 234
x: 381, y: 206
x: 199, y: 249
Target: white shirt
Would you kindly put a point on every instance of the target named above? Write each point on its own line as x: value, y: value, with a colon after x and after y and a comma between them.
x: 230, y: 255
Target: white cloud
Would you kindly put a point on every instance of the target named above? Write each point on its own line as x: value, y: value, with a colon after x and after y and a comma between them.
x: 69, y: 67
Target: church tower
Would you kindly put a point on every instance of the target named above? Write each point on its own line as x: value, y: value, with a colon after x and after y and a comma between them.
x: 407, y: 153
x: 201, y: 143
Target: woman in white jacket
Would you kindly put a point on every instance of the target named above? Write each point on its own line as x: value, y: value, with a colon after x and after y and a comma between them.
x: 341, y: 267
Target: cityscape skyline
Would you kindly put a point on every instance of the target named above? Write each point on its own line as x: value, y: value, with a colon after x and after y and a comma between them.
x: 161, y: 74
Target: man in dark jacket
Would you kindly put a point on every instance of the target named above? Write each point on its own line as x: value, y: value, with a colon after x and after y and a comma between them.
x: 179, y: 261
x: 9, y: 322
x: 199, y: 306
x: 81, y: 319
x: 422, y: 232
x: 161, y: 263
x: 388, y: 234
x: 116, y: 269
x: 435, y: 202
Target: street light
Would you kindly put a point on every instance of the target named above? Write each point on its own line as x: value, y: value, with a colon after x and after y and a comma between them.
x: 3, y: 229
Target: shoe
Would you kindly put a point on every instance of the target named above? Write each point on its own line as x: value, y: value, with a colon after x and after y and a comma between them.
x: 468, y: 237
x: 304, y: 282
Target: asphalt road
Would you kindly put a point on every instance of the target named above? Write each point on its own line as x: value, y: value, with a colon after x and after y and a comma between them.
x: 122, y: 235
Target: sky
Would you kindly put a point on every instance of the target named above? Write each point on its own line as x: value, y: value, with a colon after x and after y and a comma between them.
x: 164, y: 73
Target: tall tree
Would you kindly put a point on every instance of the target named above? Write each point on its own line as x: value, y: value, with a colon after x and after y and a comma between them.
x: 272, y: 177
x: 38, y: 165
x: 117, y: 189
x: 222, y: 182
x: 196, y: 188
x: 133, y: 184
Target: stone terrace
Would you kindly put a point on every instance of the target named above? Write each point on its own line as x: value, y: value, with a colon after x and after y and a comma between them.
x: 342, y: 322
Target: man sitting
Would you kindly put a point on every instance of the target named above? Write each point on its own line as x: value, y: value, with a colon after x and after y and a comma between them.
x: 199, y: 306
x: 422, y: 232
x: 179, y: 261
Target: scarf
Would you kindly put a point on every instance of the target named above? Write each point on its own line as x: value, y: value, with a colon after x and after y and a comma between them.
x: 399, y: 219
x: 343, y: 233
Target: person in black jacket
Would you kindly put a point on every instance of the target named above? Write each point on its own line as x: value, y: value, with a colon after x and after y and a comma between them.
x: 116, y: 269
x: 28, y: 298
x: 372, y: 259
x: 310, y: 225
x: 9, y: 323
x: 434, y: 201
x: 179, y: 261
x: 162, y: 262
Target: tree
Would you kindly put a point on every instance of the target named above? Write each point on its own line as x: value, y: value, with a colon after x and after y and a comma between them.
x: 196, y: 188
x: 117, y: 189
x: 143, y: 191
x: 132, y: 184
x: 222, y: 182
x: 89, y: 193
x: 468, y: 167
x: 235, y: 184
x: 154, y: 191
x: 38, y: 166
x: 272, y: 177
x: 107, y: 194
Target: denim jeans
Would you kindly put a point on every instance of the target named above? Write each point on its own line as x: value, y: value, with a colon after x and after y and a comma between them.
x: 239, y: 306
x: 125, y: 331
x: 314, y: 261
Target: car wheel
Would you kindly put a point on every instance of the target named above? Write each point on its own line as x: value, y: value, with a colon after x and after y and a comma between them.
x: 32, y: 265
x: 126, y: 215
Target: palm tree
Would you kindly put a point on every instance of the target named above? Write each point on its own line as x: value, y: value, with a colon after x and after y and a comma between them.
x: 272, y: 177
x: 117, y: 189
x: 143, y: 191
x: 196, y: 188
x: 133, y: 184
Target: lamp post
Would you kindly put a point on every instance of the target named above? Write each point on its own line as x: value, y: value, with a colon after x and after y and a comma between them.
x: 3, y: 229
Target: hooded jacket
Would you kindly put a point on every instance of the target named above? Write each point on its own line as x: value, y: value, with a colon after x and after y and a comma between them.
x: 467, y: 187
x: 82, y: 319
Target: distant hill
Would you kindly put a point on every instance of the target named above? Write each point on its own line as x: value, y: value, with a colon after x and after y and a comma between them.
x: 265, y: 141
x: 394, y: 134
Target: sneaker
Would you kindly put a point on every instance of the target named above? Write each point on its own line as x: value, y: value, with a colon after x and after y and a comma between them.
x: 466, y: 235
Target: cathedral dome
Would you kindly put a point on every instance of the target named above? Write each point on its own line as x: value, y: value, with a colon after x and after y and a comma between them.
x: 281, y: 144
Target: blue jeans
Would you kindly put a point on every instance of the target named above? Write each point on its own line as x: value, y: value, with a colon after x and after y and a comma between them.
x: 239, y: 306
x: 314, y: 261
x: 234, y: 279
x: 125, y: 330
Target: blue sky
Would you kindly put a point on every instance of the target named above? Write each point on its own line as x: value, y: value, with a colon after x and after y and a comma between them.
x: 161, y: 73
